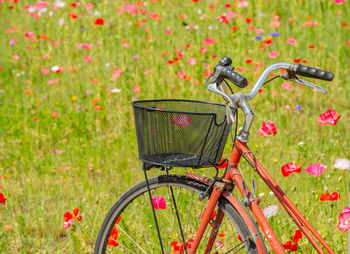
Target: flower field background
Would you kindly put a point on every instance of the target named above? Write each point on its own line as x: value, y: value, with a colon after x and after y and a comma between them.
x: 69, y: 71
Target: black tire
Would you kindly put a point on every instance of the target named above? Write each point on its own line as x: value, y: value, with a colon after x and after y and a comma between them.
x: 138, y: 192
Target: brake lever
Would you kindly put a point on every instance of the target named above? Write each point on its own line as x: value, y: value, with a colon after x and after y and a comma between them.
x: 307, y: 83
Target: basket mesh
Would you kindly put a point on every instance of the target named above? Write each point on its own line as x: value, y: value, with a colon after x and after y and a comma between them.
x: 180, y: 133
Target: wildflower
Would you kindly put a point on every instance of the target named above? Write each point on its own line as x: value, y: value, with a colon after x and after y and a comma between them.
x: 290, y: 168
x: 298, y: 107
x: 273, y: 54
x: 136, y: 89
x: 112, y: 240
x: 178, y: 247
x: 275, y: 34
x: 54, y: 114
x: 342, y: 164
x: 28, y: 91
x: 8, y: 227
x: 88, y: 59
x: 3, y: 198
x: 222, y: 164
x: 344, y: 220
x: 286, y: 86
x: 204, y: 50
x: 69, y: 218
x: 192, y: 61
x: 168, y: 31
x: 267, y: 128
x: 99, y: 21
x: 259, y: 31
x: 339, y: 2
x: 45, y: 71
x: 182, y: 120
x: 329, y: 117
x: 270, y: 211
x: 209, y: 41
x: 330, y: 196
x: 159, y: 202
x: 316, y: 169
x: 258, y: 37
x: 291, y: 41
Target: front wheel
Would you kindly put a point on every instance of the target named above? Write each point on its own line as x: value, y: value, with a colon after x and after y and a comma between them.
x: 130, y: 228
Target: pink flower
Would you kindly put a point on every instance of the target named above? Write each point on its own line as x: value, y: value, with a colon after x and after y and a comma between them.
x: 342, y: 164
x: 259, y: 31
x: 117, y: 73
x: 275, y: 23
x: 29, y: 35
x: 192, y: 61
x: 274, y: 54
x: 209, y: 41
x: 316, y: 169
x: 339, y: 1
x: 242, y: 4
x: 89, y: 6
x: 270, y: 211
x: 168, y: 31
x: 159, y: 202
x: 147, y: 72
x: 57, y: 151
x: 329, y: 117
x: 45, y: 71
x: 240, y: 69
x: 219, y: 244
x: 290, y: 168
x: 180, y: 74
x: 136, y: 89
x: 204, y: 50
x: 67, y: 224
x: 182, y: 120
x: 12, y: 41
x: 88, y: 59
x: 291, y: 41
x: 267, y: 128
x: 344, y: 217
x: 286, y: 86
x: 231, y: 15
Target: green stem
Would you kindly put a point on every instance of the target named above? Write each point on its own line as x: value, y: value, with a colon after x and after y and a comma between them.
x: 341, y: 144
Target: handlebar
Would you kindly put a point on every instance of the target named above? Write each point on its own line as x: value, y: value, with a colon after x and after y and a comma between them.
x: 224, y: 70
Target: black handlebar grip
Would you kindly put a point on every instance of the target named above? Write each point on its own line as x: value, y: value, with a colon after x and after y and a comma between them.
x: 234, y: 77
x: 311, y: 72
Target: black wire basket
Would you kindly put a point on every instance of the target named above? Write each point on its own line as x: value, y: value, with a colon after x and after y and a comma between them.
x: 180, y: 133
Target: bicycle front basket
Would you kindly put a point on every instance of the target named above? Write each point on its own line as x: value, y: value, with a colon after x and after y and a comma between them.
x: 180, y: 133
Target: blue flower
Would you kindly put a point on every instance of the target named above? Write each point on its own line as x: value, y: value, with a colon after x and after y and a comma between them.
x: 298, y: 107
x: 258, y: 37
x: 275, y: 34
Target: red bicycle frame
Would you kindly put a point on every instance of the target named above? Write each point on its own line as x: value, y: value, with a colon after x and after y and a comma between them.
x: 232, y: 174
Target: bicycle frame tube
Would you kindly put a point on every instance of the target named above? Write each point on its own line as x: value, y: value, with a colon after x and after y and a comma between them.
x: 233, y: 174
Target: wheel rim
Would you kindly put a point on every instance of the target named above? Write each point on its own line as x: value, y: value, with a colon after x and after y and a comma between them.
x: 136, y: 231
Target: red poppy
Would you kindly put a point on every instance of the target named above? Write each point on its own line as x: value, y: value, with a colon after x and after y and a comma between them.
x: 297, y: 236
x: 112, y: 240
x: 223, y: 164
x: 3, y: 198
x: 248, y: 20
x: 289, y: 246
x: 290, y: 168
x: 330, y: 196
x: 239, y: 238
x: 296, y: 60
x: 329, y: 117
x: 99, y: 21
x: 178, y: 247
x: 69, y: 218
x: 268, y: 42
x: 267, y: 128
x: 213, y: 215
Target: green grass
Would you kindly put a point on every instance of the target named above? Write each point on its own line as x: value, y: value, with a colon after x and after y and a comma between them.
x: 43, y: 185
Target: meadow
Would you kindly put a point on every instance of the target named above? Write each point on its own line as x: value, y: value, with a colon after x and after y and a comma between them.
x: 70, y: 70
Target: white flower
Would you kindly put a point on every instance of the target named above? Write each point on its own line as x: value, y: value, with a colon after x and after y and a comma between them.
x: 59, y: 4
x: 116, y: 90
x: 342, y: 164
x: 270, y: 211
x: 55, y: 68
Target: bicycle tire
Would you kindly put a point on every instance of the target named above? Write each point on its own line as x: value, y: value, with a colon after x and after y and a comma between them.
x: 155, y: 183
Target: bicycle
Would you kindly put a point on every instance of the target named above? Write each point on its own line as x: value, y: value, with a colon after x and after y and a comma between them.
x: 182, y: 133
